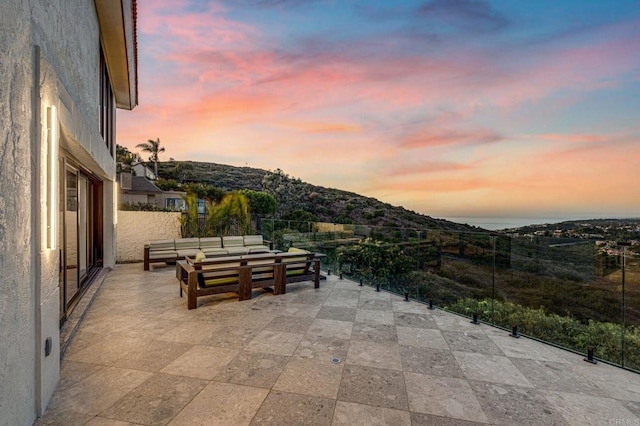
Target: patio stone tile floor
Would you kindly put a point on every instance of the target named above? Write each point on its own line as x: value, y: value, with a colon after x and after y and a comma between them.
x: 338, y: 355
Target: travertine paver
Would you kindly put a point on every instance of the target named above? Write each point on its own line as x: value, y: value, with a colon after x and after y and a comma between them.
x: 331, y: 328
x: 284, y: 408
x: 490, y: 368
x: 512, y: 405
x: 584, y: 409
x: 222, y: 404
x: 253, y: 369
x: 339, y: 355
x: 421, y: 338
x: 374, y: 317
x: 275, y: 342
x: 437, y: 362
x: 443, y: 396
x: 203, y: 362
x: 337, y: 313
x: 311, y: 377
x: 99, y: 391
x: 323, y: 348
x: 373, y: 386
x: 374, y: 332
x: 290, y: 323
x: 471, y: 341
x: 166, y: 394
x: 350, y: 414
x: 374, y: 354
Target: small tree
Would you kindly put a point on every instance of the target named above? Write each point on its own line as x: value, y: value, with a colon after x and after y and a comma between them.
x: 260, y: 203
x: 125, y: 159
x: 204, y: 191
x: 167, y: 184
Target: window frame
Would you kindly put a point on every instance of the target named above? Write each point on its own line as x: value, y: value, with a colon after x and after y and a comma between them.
x: 107, y: 107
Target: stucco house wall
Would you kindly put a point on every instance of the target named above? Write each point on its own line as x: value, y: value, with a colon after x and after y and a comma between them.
x: 137, y: 199
x: 50, y: 58
x: 17, y: 311
x: 135, y: 229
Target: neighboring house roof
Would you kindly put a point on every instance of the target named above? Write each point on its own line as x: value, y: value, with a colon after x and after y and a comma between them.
x: 118, y: 34
x: 141, y: 184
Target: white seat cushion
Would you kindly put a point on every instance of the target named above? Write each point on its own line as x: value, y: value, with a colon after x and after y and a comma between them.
x: 159, y: 254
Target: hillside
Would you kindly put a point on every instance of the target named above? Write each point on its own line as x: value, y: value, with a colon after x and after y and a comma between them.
x: 327, y: 204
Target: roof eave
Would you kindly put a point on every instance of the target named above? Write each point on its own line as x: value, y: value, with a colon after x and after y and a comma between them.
x: 117, y: 21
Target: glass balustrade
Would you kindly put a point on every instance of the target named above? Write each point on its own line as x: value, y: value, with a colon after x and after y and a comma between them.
x: 574, y: 293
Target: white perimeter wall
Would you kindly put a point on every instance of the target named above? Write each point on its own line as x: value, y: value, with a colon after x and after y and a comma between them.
x: 135, y: 229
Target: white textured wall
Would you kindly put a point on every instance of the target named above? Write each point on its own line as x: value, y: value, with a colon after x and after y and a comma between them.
x: 50, y: 57
x: 135, y: 229
x: 17, y: 310
x: 65, y: 48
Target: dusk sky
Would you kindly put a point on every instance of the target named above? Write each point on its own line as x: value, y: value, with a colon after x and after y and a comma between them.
x: 452, y: 108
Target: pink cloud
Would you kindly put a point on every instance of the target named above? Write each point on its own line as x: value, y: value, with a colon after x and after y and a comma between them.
x: 177, y: 27
x: 402, y: 168
x: 431, y: 138
x: 209, y: 50
x: 322, y: 127
x: 449, y: 185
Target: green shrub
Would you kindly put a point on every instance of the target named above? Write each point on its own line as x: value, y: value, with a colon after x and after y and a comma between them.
x: 144, y: 207
x: 375, y: 260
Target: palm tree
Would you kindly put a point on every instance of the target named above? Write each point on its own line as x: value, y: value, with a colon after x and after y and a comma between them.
x: 152, y: 147
x: 230, y: 216
x: 189, y: 219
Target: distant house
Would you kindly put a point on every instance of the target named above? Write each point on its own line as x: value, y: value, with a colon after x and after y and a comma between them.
x: 139, y: 169
x: 173, y: 200
x: 136, y: 190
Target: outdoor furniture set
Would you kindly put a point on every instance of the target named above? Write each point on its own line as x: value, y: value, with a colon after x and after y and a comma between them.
x: 213, y: 265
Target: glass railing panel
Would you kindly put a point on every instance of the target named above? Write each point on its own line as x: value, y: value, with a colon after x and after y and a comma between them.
x: 554, y: 291
x: 631, y: 286
x: 463, y: 282
x: 409, y: 276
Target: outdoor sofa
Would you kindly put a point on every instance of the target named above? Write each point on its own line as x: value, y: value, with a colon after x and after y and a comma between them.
x: 170, y: 251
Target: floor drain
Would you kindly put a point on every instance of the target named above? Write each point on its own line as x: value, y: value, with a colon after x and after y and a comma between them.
x: 335, y: 360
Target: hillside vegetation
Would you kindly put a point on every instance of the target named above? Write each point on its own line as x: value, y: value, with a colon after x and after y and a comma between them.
x: 294, y: 196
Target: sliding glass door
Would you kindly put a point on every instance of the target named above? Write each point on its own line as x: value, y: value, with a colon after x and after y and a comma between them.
x: 80, y: 217
x: 71, y: 235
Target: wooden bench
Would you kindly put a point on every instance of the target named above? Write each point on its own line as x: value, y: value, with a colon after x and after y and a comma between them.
x: 241, y: 274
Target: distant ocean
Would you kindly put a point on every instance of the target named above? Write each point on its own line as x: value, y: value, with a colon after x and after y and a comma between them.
x: 494, y: 223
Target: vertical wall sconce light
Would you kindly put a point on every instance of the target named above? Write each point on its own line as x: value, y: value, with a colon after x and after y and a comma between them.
x: 115, y: 203
x: 52, y: 175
